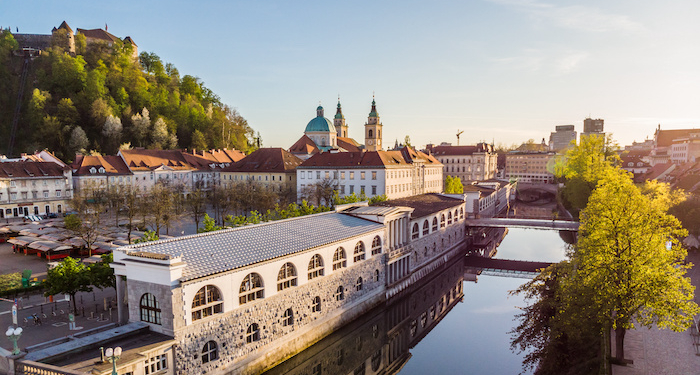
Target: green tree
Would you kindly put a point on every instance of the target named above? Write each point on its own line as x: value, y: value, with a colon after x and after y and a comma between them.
x: 148, y: 236
x: 630, y: 258
x: 453, y: 185
x: 68, y: 277
x: 198, y: 141
x: 101, y: 274
x: 209, y: 225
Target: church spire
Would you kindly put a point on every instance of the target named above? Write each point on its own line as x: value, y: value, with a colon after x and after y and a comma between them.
x: 339, y: 111
x: 339, y: 121
x: 373, y: 112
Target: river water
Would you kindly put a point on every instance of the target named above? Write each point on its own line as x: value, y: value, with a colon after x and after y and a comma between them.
x: 433, y: 330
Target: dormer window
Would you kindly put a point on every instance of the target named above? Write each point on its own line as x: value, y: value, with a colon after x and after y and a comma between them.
x: 93, y: 170
x: 102, y: 170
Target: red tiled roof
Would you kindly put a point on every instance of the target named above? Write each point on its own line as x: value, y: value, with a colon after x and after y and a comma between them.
x: 405, y: 156
x: 266, y: 160
x: 348, y: 144
x: 23, y: 169
x: 664, y: 138
x: 304, y: 145
x: 146, y: 160
x: 658, y: 170
x: 111, y: 164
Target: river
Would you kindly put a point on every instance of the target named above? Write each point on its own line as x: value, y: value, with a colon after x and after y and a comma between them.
x: 431, y: 331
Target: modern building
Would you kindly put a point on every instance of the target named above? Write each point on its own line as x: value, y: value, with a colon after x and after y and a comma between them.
x: 271, y: 167
x: 562, y: 137
x: 593, y: 126
x: 530, y: 166
x: 396, y: 174
x: 470, y: 163
x: 33, y: 188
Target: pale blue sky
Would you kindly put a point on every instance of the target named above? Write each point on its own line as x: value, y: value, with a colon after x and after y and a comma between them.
x: 503, y: 70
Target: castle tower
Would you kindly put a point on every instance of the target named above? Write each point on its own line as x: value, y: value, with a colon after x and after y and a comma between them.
x: 64, y: 29
x: 373, y: 130
x: 339, y: 122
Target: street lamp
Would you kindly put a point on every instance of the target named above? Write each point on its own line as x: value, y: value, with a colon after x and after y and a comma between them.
x: 13, y: 335
x: 112, y: 356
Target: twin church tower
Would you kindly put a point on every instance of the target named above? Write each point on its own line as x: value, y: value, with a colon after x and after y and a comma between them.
x: 327, y: 136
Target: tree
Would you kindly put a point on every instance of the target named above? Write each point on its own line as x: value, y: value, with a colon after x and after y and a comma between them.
x: 112, y: 131
x: 78, y: 140
x: 140, y: 126
x: 131, y: 205
x: 582, y: 168
x: 196, y: 204
x: 630, y: 258
x: 159, y: 134
x: 148, y: 236
x: 68, y: 277
x: 160, y: 206
x: 453, y: 185
x: 101, y: 274
x: 209, y: 225
x: 198, y: 141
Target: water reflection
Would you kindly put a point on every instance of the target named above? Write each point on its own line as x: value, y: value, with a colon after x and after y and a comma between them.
x: 379, y: 342
x: 404, y: 336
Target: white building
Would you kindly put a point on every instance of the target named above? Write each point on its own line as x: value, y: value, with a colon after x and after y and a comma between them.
x: 470, y: 163
x: 33, y: 188
x: 396, y: 174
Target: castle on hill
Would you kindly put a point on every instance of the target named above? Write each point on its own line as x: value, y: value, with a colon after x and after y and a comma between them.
x: 40, y: 42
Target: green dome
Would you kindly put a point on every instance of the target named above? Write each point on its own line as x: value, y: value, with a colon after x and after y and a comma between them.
x: 320, y: 123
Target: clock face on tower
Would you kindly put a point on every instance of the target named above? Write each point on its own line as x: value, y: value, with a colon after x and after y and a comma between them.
x: 370, y: 142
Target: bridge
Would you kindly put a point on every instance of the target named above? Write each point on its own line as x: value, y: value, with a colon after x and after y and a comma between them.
x: 524, y: 223
x: 505, y: 267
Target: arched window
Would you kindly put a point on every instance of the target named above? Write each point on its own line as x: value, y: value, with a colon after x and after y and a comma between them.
x: 369, y: 133
x: 376, y: 360
x: 315, y: 267
x: 359, y: 253
x: 376, y: 246
x: 210, y: 352
x: 339, y: 259
x: 435, y: 224
x: 449, y: 218
x: 426, y: 228
x: 376, y: 275
x: 288, y: 318
x: 287, y: 277
x: 150, y: 309
x: 251, y: 288
x: 414, y: 232
x: 358, y: 284
x: 442, y: 221
x: 461, y: 212
x: 207, y: 302
x: 340, y: 293
x: 456, y: 215
x: 253, y: 333
x: 316, y: 304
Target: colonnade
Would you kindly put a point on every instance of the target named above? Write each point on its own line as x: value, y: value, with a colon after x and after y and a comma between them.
x: 398, y: 232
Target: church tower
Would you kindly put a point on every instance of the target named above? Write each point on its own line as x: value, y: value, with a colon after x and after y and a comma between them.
x: 373, y: 130
x: 339, y: 122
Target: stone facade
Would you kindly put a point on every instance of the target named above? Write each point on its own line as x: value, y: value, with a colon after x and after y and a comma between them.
x: 229, y: 331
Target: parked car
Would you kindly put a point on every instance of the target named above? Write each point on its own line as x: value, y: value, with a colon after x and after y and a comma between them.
x: 52, y: 215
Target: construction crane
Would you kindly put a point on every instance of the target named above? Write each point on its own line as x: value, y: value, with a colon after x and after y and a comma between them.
x: 458, y: 133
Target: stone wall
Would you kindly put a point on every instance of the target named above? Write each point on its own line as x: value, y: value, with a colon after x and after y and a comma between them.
x: 164, y: 296
x: 276, y: 341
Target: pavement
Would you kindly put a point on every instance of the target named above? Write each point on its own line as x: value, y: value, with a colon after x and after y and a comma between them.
x: 657, y: 351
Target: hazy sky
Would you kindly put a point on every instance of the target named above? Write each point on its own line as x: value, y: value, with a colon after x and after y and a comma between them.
x: 501, y: 70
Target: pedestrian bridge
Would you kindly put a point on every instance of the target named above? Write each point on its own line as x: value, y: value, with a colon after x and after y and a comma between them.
x: 505, y: 267
x: 524, y: 223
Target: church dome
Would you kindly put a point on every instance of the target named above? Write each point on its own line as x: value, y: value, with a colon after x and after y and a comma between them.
x: 320, y: 123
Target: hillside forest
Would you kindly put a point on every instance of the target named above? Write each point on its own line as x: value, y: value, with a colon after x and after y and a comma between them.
x: 104, y: 98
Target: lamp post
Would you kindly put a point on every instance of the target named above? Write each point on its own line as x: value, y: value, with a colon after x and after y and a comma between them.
x: 112, y: 356
x: 13, y: 335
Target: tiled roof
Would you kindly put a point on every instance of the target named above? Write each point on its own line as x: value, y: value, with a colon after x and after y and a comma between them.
x: 111, y: 165
x: 147, y: 160
x: 658, y: 170
x: 24, y: 169
x: 665, y: 138
x: 224, y: 250
x: 98, y: 34
x: 403, y: 157
x: 304, y: 145
x: 424, y: 204
x: 348, y: 144
x: 266, y: 160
